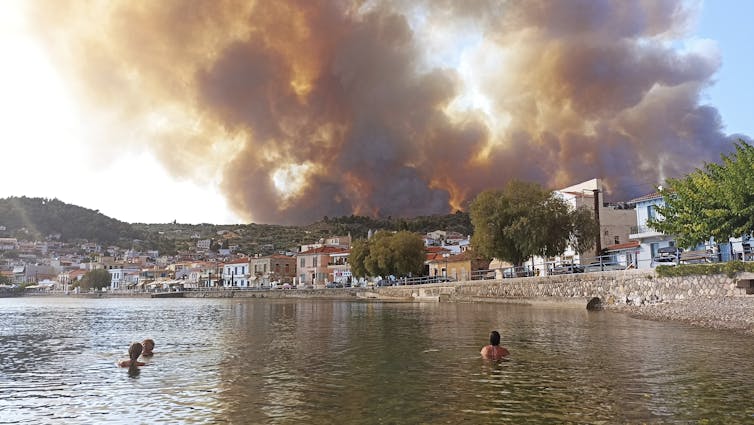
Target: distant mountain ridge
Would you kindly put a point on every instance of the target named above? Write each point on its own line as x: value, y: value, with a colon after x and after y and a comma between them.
x: 37, y: 218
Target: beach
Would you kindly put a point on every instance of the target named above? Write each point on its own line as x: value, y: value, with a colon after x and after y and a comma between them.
x: 729, y: 313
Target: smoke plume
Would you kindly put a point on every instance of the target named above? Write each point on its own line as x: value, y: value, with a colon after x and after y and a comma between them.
x: 307, y: 108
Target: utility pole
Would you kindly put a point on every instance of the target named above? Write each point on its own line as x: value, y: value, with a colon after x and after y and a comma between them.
x: 598, y: 246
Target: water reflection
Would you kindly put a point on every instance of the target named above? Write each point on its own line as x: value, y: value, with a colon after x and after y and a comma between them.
x: 279, y: 361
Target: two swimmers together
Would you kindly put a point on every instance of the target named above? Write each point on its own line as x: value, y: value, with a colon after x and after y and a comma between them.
x: 138, y: 349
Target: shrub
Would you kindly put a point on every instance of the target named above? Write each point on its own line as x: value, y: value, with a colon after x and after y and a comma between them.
x: 730, y: 269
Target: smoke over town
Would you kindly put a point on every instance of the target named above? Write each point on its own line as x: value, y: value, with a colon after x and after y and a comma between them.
x: 310, y: 108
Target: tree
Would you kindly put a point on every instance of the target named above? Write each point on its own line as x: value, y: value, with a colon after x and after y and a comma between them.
x: 357, y: 257
x: 386, y: 253
x: 716, y: 201
x: 408, y: 253
x: 5, y: 280
x: 96, y: 279
x: 584, y: 229
x: 523, y: 220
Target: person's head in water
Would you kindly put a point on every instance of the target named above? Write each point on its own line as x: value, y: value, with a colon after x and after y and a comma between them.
x: 148, y: 347
x: 134, y: 351
x: 494, y: 338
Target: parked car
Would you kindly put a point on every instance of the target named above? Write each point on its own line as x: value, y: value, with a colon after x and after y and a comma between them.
x: 668, y: 255
x: 604, y: 266
x: 512, y: 272
x: 287, y: 286
x: 567, y: 268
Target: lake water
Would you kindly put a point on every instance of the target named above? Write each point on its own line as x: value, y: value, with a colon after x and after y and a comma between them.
x: 333, y: 362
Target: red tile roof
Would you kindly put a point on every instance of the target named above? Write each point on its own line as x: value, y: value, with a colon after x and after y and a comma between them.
x: 324, y: 250
x: 622, y: 246
x: 239, y: 261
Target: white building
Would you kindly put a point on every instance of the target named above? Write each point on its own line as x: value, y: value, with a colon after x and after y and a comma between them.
x: 236, y: 273
x: 615, y: 222
x: 204, y: 244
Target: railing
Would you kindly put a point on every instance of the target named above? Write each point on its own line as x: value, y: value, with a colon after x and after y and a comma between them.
x: 641, y: 229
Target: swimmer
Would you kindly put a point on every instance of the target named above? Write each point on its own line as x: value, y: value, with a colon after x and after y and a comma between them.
x: 148, y: 347
x: 494, y: 351
x: 134, y: 351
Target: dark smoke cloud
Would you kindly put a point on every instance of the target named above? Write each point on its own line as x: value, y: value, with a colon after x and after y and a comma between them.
x: 350, y: 102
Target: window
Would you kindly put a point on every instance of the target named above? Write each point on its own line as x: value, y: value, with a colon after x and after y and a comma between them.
x: 314, y: 262
x: 671, y: 243
x: 617, y: 240
x: 653, y: 249
x: 607, y: 232
x: 303, y: 262
x: 651, y: 213
x: 287, y: 268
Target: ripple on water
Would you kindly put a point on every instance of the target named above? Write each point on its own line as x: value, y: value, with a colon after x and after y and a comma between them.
x: 266, y: 361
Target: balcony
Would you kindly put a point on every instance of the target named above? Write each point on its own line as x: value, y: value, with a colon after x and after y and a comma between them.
x: 643, y: 231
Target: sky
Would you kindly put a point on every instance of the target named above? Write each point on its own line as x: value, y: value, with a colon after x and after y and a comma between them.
x: 160, y: 112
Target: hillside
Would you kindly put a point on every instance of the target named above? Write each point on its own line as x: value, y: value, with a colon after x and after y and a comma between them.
x: 37, y: 218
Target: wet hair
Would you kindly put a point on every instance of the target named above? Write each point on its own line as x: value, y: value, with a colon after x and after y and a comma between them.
x: 494, y: 338
x: 149, y: 341
x: 134, y: 351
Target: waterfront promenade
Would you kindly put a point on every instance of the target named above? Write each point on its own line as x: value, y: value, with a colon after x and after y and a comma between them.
x: 716, y: 301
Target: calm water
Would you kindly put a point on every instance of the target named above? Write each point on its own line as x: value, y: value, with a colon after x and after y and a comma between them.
x: 321, y: 362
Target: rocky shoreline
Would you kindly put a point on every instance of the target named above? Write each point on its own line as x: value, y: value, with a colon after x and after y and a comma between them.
x: 730, y: 313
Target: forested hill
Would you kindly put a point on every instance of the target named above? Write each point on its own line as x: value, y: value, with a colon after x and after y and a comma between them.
x: 37, y: 218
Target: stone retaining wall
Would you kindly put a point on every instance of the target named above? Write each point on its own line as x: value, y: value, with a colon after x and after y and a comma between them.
x: 633, y: 287
x: 615, y: 287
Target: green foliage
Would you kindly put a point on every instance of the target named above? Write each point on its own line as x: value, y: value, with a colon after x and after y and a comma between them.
x: 357, y: 257
x: 524, y: 219
x: 36, y: 218
x: 96, y: 279
x: 5, y: 280
x: 584, y: 229
x: 729, y: 268
x: 717, y: 201
x: 399, y: 254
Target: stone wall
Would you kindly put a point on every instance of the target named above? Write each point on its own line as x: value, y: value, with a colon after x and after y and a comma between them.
x: 633, y: 287
x: 614, y: 287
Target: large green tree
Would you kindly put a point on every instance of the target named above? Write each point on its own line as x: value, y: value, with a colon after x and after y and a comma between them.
x: 715, y: 201
x: 386, y: 253
x: 524, y: 219
x: 96, y: 279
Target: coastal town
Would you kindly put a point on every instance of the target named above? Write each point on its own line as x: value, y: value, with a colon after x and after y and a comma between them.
x: 625, y: 242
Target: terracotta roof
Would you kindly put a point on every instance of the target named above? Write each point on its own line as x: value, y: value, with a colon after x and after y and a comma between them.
x: 280, y: 256
x: 622, y: 246
x: 324, y: 250
x: 653, y: 195
x: 239, y: 261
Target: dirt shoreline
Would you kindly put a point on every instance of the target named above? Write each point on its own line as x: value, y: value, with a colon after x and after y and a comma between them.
x: 727, y: 313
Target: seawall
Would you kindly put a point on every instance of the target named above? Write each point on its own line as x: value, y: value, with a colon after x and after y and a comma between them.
x: 629, y: 287
x: 632, y: 287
